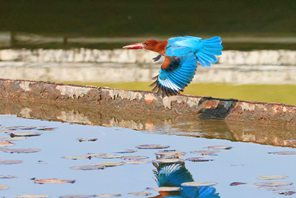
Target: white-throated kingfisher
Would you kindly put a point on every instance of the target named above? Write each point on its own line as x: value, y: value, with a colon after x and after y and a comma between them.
x: 181, y: 57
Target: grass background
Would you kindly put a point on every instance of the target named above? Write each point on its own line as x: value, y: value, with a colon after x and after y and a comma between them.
x: 262, y: 93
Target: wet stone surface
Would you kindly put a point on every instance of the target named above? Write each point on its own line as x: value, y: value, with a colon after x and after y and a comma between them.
x: 79, y: 161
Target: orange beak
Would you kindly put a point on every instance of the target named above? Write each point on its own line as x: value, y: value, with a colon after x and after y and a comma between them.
x: 134, y: 46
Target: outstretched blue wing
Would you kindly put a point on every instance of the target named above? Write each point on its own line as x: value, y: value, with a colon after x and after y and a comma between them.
x: 205, y: 50
x: 176, y: 74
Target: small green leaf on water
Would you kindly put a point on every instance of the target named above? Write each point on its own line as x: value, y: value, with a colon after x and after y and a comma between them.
x: 3, y: 187
x: 10, y: 162
x: 273, y: 184
x: 283, y: 153
x: 24, y: 134
x: 198, y: 159
x: 97, y: 166
x: 131, y: 157
x: 52, y: 181
x: 87, y: 139
x: 32, y: 196
x: 7, y: 177
x: 220, y: 147
x: 5, y: 143
x: 152, y: 146
x: 169, y: 154
x: 140, y: 194
x: 127, y: 151
x: 20, y: 150
x: 272, y: 177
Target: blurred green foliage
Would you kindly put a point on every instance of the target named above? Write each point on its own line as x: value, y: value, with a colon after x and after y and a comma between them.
x: 149, y: 18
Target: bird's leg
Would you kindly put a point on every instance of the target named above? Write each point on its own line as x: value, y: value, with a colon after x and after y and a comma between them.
x: 157, y: 59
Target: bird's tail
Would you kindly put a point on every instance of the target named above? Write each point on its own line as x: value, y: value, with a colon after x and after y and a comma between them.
x: 210, y: 48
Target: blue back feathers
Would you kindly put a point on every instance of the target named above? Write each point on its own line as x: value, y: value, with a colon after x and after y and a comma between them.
x: 185, y: 53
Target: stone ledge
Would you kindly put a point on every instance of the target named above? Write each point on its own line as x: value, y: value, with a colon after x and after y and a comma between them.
x: 140, y: 102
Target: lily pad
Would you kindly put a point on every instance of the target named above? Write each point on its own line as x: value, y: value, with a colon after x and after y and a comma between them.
x: 198, y: 159
x: 5, y: 143
x: 87, y: 139
x: 45, y: 128
x: 53, y: 181
x: 198, y: 184
x: 97, y: 166
x: 152, y: 146
x: 169, y: 154
x: 24, y: 134
x: 283, y: 153
x: 272, y: 177
x: 206, y: 152
x: 20, y: 150
x: 3, y: 187
x: 273, y: 184
x: 169, y: 161
x: 237, y: 183
x: 10, y: 162
x: 287, y: 193
x: 140, y: 194
x: 220, y: 147
x: 133, y: 158
x: 108, y: 195
x: 7, y: 177
x: 127, y: 151
x: 32, y: 196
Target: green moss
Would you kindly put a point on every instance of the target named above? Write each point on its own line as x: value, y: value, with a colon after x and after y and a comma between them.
x: 263, y: 93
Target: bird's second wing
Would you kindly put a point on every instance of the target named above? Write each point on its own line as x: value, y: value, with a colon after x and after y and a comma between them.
x: 175, y: 74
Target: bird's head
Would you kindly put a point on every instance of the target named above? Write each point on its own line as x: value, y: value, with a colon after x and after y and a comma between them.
x: 152, y: 45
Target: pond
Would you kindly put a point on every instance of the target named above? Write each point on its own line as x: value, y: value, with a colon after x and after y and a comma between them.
x: 56, y: 159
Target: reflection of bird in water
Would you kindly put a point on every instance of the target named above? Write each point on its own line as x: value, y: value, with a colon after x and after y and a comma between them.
x: 181, y: 56
x: 173, y: 175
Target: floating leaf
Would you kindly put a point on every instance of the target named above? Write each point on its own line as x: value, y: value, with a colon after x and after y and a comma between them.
x: 283, y: 153
x: 127, y: 151
x: 20, y: 150
x: 220, y: 147
x: 198, y: 159
x: 108, y: 195
x: 287, y: 193
x: 10, y: 162
x: 169, y: 154
x: 7, y: 177
x: 24, y: 134
x: 3, y: 187
x: 132, y: 158
x: 138, y: 162
x: 197, y: 184
x: 237, y: 183
x: 272, y: 177
x: 32, y: 196
x: 87, y: 139
x: 53, y: 181
x: 46, y: 128
x: 140, y: 194
x: 89, y: 167
x: 152, y: 146
x: 97, y: 166
x: 273, y: 184
x: 5, y: 143
x: 206, y: 152
x: 169, y: 161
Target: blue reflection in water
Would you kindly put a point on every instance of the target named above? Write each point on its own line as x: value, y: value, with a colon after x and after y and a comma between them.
x: 173, y: 175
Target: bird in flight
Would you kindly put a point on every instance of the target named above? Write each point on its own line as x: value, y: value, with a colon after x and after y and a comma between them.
x: 181, y: 57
